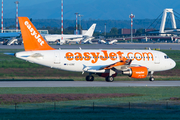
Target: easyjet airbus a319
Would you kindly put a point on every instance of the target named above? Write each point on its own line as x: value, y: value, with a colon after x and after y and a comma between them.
x: 105, y: 63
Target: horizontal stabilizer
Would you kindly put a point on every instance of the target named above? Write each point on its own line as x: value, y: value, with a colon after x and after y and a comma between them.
x: 13, y: 54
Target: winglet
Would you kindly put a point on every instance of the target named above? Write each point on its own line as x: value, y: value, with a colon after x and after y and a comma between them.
x: 31, y: 37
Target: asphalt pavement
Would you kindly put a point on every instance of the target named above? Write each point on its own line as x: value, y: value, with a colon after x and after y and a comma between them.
x: 162, y: 46
x: 89, y: 84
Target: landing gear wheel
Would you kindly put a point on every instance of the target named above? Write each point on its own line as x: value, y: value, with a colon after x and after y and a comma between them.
x: 151, y: 79
x: 89, y: 78
x: 110, y: 79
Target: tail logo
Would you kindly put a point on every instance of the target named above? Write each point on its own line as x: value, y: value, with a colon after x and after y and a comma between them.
x: 33, y: 33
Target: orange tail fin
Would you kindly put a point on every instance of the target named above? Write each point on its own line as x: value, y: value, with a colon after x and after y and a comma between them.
x: 31, y: 37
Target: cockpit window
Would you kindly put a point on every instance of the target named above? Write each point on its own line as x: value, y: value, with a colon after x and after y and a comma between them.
x: 166, y: 57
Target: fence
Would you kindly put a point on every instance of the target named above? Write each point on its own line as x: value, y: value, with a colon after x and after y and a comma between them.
x: 91, y: 106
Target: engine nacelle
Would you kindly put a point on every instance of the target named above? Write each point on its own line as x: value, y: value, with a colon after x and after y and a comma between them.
x: 106, y: 74
x: 136, y: 72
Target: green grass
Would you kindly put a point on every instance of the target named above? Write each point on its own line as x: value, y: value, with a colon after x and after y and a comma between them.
x: 152, y: 105
x: 7, y: 61
x: 106, y: 114
x: 154, y: 93
x: 149, y: 93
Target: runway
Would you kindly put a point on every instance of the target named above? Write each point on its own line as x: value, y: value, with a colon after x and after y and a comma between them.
x: 162, y: 46
x: 89, y: 84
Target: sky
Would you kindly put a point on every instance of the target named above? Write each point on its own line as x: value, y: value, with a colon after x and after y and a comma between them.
x: 90, y: 9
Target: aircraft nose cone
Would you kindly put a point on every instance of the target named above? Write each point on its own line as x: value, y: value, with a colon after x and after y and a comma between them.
x: 172, y: 64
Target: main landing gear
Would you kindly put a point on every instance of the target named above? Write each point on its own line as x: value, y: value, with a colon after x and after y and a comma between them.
x: 109, y: 78
x: 151, y: 76
x: 89, y: 78
x: 108, y: 75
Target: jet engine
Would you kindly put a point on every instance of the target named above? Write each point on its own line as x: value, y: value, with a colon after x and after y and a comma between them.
x: 136, y: 72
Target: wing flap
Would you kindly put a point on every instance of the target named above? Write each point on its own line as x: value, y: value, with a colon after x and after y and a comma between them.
x: 124, y: 64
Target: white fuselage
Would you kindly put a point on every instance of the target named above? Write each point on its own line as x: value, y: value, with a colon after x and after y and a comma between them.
x: 65, y: 38
x: 53, y: 38
x: 75, y: 60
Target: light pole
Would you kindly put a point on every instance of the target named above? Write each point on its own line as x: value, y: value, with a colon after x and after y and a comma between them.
x: 17, y: 2
x: 2, y: 18
x: 61, y: 19
x: 131, y: 16
x: 105, y: 29
x: 80, y: 22
x: 76, y: 23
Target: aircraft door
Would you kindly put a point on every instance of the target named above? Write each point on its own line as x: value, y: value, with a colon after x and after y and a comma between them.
x: 156, y: 58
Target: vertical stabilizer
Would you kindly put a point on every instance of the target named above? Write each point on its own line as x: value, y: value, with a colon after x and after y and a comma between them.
x: 90, y: 30
x: 31, y: 37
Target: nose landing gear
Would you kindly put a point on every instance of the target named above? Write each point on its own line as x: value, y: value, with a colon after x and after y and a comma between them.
x: 151, y: 79
x: 151, y: 76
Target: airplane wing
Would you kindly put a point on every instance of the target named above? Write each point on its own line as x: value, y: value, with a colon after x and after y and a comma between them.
x: 117, y: 64
x: 86, y: 39
x: 73, y: 38
x: 120, y: 65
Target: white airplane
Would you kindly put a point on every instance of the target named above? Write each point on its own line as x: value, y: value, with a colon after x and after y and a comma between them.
x: 10, y: 38
x: 105, y: 63
x: 87, y: 40
x: 71, y: 38
x: 112, y: 42
x: 101, y: 41
x: 107, y: 42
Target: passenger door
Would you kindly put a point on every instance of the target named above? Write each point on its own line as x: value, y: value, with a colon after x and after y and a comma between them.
x: 156, y: 58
